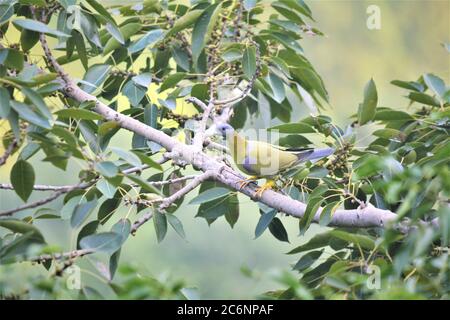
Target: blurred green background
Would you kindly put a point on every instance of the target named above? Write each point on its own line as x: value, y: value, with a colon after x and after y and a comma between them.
x: 408, y: 45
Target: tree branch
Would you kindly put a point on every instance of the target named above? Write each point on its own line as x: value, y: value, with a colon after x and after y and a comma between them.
x: 362, y: 218
x: 8, y: 152
x: 245, y: 92
x: 50, y: 198
x: 60, y: 190
x: 166, y: 202
x: 60, y: 256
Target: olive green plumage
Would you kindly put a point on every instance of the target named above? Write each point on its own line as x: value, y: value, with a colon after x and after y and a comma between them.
x: 262, y: 159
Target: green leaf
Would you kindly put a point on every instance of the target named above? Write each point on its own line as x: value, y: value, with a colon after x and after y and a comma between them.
x: 277, y: 87
x: 38, y: 27
x: 151, y: 113
x: 288, y: 42
x: 123, y: 229
x: 81, y: 212
x: 143, y: 79
x: 294, y: 141
x: 129, y: 157
x: 108, y: 242
x: 299, y: 6
x: 171, y: 81
x: 424, y: 98
x: 293, y: 128
x: 232, y: 215
x: 249, y: 62
x: 277, y: 229
x: 104, y: 13
x: 81, y: 48
x: 203, y: 29
x: 390, y: 134
x: 211, y: 210
x: 160, y: 224
x: 149, y: 39
x: 327, y: 213
x: 363, y: 241
x: 185, y: 21
x: 22, y: 179
x: 114, y: 263
x: 127, y: 30
x: 409, y: 85
x: 6, y: 11
x: 436, y: 85
x: 106, y: 188
x: 133, y: 92
x: 176, y: 225
x: 14, y: 59
x: 444, y: 224
x: 95, y: 77
x: 28, y: 39
x: 367, y: 109
x: 143, y: 184
x: 107, y: 169
x: 78, y: 113
x: 114, y: 30
x: 148, y: 161
x: 181, y: 57
x: 5, y: 105
x: 264, y: 221
x: 311, y: 209
x: 391, y: 115
x: 37, y: 101
x: 287, y: 12
x: 318, y: 241
x: 308, y: 260
x: 87, y: 230
x: 209, y: 195
x: 20, y: 226
x: 26, y: 113
x: 107, y: 209
x: 232, y: 54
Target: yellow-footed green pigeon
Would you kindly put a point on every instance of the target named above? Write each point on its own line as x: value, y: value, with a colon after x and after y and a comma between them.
x: 264, y: 160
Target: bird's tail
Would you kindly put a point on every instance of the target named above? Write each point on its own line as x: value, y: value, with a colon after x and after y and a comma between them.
x: 314, y: 154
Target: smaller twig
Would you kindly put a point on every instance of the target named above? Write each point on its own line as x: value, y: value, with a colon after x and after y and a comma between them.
x: 198, y: 102
x: 8, y: 152
x: 65, y: 189
x: 199, y: 137
x: 175, y: 180
x: 139, y: 222
x: 166, y: 202
x: 64, y: 255
x: 245, y: 92
x: 186, y: 189
x: 214, y: 145
x: 50, y: 198
x: 37, y: 187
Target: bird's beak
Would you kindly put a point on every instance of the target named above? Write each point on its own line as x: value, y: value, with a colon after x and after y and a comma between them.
x: 212, y: 130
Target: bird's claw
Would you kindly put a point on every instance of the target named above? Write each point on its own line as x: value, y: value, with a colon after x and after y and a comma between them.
x: 267, y: 186
x: 246, y: 182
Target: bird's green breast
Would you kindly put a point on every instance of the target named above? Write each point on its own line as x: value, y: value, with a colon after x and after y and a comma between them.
x: 259, y: 158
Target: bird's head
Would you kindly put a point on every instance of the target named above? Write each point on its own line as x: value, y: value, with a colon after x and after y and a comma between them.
x: 224, y: 129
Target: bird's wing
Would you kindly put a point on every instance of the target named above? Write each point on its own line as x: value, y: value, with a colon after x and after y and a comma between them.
x: 265, y: 159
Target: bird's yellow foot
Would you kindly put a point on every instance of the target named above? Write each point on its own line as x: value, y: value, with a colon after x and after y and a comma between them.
x: 266, y: 186
x: 246, y: 182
